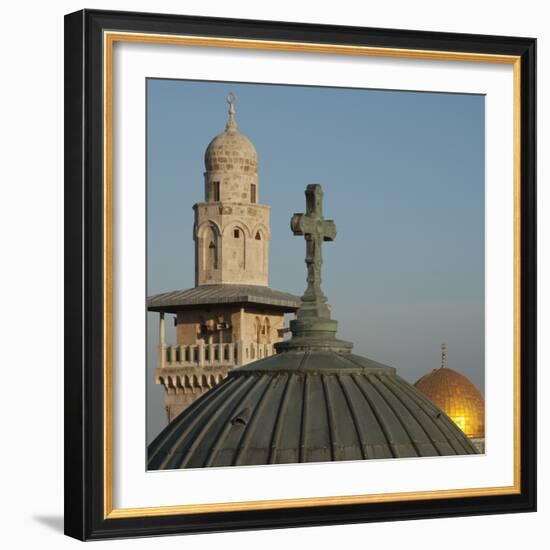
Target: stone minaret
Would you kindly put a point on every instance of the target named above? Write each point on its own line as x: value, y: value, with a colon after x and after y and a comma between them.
x: 231, y: 228
x: 231, y: 317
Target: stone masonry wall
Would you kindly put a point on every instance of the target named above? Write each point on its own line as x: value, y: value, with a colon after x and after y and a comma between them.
x: 208, y: 324
x: 232, y: 243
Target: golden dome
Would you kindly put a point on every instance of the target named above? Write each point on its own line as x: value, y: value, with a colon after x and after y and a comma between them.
x: 453, y: 393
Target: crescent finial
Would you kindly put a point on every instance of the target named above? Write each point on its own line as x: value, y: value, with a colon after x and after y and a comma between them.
x: 231, y: 123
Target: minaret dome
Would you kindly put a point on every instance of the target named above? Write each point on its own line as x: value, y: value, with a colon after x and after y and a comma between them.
x: 231, y: 164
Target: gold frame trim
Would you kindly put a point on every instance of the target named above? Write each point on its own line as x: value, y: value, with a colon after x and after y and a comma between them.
x: 109, y: 39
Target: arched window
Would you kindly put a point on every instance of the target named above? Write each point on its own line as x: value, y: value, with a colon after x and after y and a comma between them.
x: 216, y: 191
x: 261, y: 250
x: 209, y: 248
x: 238, y: 252
x: 258, y: 329
x: 253, y: 193
x: 267, y: 327
x: 212, y: 256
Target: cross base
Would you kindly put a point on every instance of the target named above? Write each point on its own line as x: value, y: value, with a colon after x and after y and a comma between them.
x: 314, y: 334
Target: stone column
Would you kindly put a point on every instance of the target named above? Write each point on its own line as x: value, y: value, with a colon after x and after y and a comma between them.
x: 240, y: 343
x: 211, y: 353
x: 201, y: 354
x: 162, y: 342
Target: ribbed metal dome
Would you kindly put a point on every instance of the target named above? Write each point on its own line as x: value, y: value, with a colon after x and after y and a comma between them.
x: 312, y: 402
x: 307, y: 406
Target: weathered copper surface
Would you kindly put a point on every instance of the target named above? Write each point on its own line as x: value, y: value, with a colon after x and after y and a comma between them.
x: 307, y: 407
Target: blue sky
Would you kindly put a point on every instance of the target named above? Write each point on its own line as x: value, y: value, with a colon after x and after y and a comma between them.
x: 403, y: 177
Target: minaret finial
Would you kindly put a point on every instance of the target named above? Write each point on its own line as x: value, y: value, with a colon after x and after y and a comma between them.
x: 231, y: 122
x: 443, y: 356
x: 313, y: 327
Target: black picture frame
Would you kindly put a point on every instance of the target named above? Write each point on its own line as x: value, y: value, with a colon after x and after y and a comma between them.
x: 85, y: 517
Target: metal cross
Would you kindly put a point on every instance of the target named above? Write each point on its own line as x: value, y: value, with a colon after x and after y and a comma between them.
x: 315, y: 230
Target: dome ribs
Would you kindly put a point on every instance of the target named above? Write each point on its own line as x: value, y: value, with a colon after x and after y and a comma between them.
x: 460, y: 443
x: 260, y: 418
x: 181, y: 427
x: 303, y: 421
x: 361, y: 438
x: 438, y: 420
x: 186, y: 430
x: 281, y: 413
x: 201, y: 443
x: 387, y: 430
x: 334, y: 444
x: 411, y: 439
x: 318, y: 446
x: 289, y: 427
x: 346, y: 441
x: 220, y: 442
x: 434, y: 439
x: 443, y: 423
x: 373, y: 438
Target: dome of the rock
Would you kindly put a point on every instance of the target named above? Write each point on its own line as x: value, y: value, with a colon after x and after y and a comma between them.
x: 453, y: 393
x: 457, y: 396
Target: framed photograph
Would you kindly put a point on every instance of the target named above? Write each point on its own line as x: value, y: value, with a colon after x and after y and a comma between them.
x: 300, y: 274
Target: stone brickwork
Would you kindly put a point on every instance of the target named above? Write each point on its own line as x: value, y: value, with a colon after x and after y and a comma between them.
x: 182, y: 385
x: 231, y: 243
x: 210, y: 342
x: 231, y: 234
x: 231, y: 229
x: 231, y: 324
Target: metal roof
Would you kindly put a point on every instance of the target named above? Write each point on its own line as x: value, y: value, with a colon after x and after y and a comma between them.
x: 222, y: 294
x: 307, y: 406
